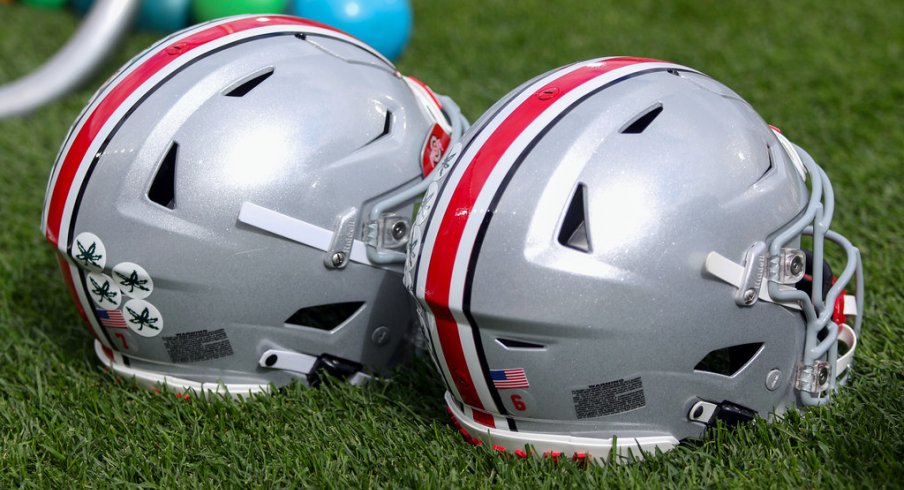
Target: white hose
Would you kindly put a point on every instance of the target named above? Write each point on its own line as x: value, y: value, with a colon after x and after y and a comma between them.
x: 74, y: 62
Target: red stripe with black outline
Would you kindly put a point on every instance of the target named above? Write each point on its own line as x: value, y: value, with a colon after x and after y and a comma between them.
x: 460, y: 207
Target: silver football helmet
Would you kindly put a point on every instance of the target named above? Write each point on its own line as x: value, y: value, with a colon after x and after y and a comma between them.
x: 214, y: 206
x: 614, y: 259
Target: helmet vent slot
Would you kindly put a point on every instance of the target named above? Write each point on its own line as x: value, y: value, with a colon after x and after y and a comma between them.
x: 642, y: 120
x: 771, y: 165
x: 249, y: 84
x: 324, y: 317
x: 163, y: 188
x: 729, y: 361
x: 519, y: 344
x: 387, y: 125
x: 387, y: 128
x: 573, y: 233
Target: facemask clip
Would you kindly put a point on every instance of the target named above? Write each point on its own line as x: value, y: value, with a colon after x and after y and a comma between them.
x: 752, y: 277
x: 814, y: 378
x: 340, y: 249
x: 394, y: 231
x: 792, y: 263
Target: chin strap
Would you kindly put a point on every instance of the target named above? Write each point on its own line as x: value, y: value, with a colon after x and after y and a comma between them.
x: 313, y: 367
x: 304, y: 233
x: 848, y: 336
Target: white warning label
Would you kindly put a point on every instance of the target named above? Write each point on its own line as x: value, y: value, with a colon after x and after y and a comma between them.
x: 608, y: 398
x: 200, y: 345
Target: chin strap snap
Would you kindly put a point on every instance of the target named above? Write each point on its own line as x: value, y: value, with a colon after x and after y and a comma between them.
x: 729, y: 413
x: 314, y: 367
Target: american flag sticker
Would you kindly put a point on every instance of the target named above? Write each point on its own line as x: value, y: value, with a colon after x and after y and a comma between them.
x: 111, y: 318
x: 507, y: 379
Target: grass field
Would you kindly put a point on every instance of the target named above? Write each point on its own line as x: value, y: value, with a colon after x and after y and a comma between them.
x: 829, y: 73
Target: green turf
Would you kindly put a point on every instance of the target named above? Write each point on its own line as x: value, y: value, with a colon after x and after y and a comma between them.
x: 829, y: 73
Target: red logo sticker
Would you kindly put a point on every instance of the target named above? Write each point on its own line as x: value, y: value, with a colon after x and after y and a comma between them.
x: 434, y: 148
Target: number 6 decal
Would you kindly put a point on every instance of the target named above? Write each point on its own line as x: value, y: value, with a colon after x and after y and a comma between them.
x: 518, y: 403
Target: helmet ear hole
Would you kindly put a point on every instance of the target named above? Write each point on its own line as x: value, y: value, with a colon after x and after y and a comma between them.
x: 728, y: 361
x: 324, y: 317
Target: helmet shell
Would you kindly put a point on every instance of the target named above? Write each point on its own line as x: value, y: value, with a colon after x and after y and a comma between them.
x: 559, y: 264
x: 276, y: 111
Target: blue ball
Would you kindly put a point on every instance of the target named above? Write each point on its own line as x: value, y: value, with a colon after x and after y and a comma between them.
x: 383, y: 24
x: 163, y: 15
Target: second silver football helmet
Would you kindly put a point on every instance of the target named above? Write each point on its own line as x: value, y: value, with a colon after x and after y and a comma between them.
x: 613, y: 259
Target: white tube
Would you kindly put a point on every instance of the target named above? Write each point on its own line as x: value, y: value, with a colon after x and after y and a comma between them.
x: 74, y: 62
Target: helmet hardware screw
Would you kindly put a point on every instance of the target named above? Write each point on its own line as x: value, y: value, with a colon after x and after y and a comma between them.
x: 793, y: 264
x: 337, y: 259
x: 797, y: 265
x: 773, y: 379
x: 380, y: 336
x: 823, y: 376
x: 399, y: 229
x: 749, y: 296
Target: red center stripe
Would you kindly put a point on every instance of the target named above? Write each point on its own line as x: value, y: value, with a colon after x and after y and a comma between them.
x: 461, y: 206
x: 128, y: 85
x: 484, y: 418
